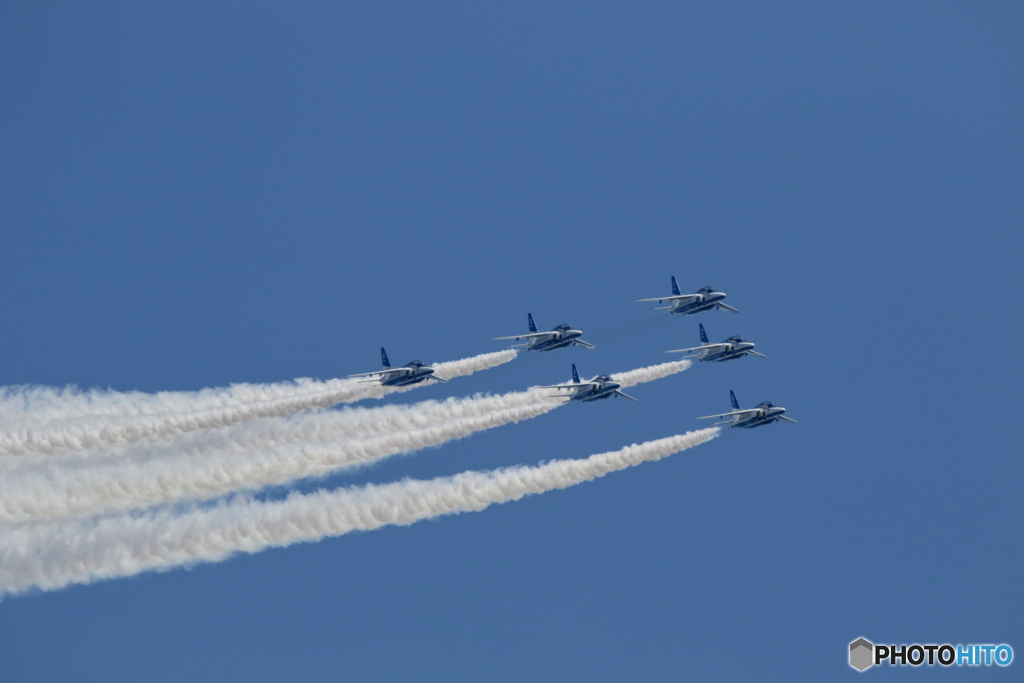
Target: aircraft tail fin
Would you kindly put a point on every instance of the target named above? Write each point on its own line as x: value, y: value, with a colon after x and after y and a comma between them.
x: 384, y: 358
x: 533, y: 327
x: 735, y: 403
x: 575, y: 375
x: 703, y: 335
x: 675, y: 287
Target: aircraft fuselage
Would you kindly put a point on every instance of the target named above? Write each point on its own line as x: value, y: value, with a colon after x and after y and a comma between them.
x: 733, y: 352
x: 402, y: 378
x: 762, y: 418
x: 705, y: 303
x: 561, y: 341
x: 606, y: 390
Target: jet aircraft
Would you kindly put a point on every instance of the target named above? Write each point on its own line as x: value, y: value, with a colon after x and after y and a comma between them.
x: 600, y: 387
x: 731, y: 349
x: 704, y: 299
x: 412, y: 372
x: 558, y: 338
x: 764, y: 414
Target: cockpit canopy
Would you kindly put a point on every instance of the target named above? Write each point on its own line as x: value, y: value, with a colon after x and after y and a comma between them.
x: 737, y: 339
x: 562, y: 328
x: 603, y: 378
x: 414, y: 364
x: 706, y: 290
x: 766, y: 404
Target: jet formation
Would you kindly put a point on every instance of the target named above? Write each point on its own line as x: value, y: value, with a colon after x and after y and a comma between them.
x: 604, y: 386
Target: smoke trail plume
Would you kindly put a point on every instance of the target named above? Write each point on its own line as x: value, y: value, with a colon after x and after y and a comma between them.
x: 94, y: 420
x: 50, y: 555
x: 208, y: 464
x: 650, y: 373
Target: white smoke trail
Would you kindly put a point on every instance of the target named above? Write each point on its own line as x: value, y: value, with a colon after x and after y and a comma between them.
x: 49, y: 555
x: 208, y: 464
x: 126, y: 418
x: 650, y: 373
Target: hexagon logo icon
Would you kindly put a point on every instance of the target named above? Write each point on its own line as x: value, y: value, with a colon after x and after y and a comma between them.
x: 862, y: 654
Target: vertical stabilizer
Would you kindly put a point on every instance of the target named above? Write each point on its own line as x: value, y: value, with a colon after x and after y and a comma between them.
x: 703, y: 335
x: 675, y: 287
x: 384, y: 358
x: 735, y: 403
x: 575, y: 375
x: 529, y: 316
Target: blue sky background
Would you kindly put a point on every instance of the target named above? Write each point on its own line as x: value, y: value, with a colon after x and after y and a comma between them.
x: 205, y: 193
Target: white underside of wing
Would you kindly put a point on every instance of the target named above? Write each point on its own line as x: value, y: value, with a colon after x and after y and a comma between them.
x: 706, y: 347
x: 393, y: 371
x: 531, y: 335
x: 680, y: 297
x: 735, y: 413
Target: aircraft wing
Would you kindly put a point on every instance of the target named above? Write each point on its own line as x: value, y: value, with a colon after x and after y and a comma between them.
x: 528, y: 336
x: 755, y: 353
x: 568, y: 385
x: 586, y: 345
x: 624, y: 395
x: 699, y: 348
x: 788, y: 419
x: 726, y: 307
x: 379, y: 372
x: 678, y: 297
x: 734, y: 413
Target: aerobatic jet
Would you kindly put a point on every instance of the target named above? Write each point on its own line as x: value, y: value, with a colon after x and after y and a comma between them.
x: 558, y: 338
x: 764, y: 414
x: 600, y: 387
x: 731, y: 349
x: 412, y: 372
x: 704, y: 299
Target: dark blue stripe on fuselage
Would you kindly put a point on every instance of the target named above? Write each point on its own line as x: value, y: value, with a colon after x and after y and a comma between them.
x: 406, y: 380
x: 552, y: 344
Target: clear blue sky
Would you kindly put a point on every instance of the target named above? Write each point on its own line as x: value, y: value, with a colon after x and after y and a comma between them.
x: 198, y: 194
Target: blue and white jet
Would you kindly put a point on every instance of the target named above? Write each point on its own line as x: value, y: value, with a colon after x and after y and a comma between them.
x: 731, y: 349
x: 412, y: 372
x: 602, y: 386
x: 764, y: 414
x: 558, y: 338
x: 704, y: 299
